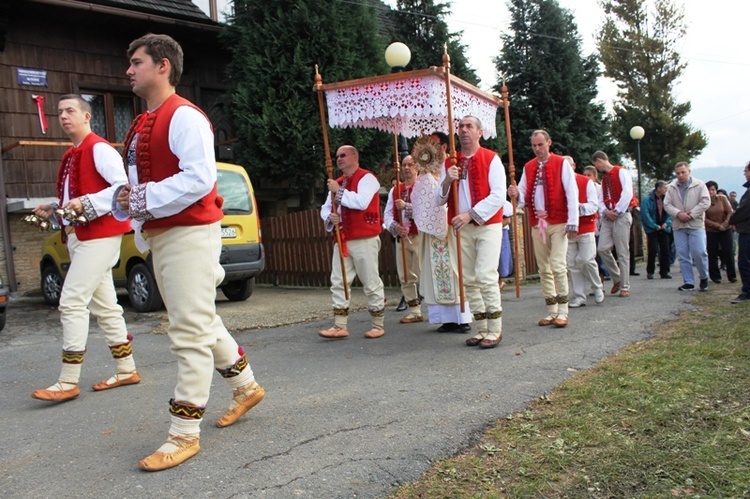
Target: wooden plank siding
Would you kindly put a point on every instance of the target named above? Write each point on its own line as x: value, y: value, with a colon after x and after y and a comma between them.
x: 89, y: 57
x: 80, y: 49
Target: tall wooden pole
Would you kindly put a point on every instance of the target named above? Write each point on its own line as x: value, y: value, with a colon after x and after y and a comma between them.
x: 514, y: 200
x: 329, y: 169
x: 397, y: 196
x: 454, y: 184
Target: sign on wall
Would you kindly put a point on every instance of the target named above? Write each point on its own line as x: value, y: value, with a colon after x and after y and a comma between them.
x: 34, y: 77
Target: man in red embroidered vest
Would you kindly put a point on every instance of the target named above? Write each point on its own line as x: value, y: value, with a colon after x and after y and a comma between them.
x: 614, y: 207
x: 169, y: 156
x: 548, y: 188
x: 582, y: 265
x: 481, y: 194
x: 357, y: 212
x: 89, y: 174
x: 397, y: 218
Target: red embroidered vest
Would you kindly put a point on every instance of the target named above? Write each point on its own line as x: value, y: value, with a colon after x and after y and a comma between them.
x: 358, y: 224
x: 479, y: 186
x: 405, y: 196
x: 83, y: 178
x: 156, y: 162
x: 586, y: 223
x: 612, y: 189
x: 555, y: 199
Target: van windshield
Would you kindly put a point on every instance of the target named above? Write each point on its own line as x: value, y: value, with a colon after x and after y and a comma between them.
x: 233, y: 188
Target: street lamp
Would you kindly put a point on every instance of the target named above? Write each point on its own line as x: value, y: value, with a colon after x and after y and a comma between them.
x: 397, y: 56
x: 637, y: 133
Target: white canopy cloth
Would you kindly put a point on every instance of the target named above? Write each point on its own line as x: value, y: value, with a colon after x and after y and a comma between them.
x: 409, y: 103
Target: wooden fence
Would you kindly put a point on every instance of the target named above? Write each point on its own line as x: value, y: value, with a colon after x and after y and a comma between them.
x: 299, y: 251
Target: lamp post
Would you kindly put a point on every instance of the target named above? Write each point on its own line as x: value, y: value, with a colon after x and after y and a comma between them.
x: 397, y: 56
x: 637, y: 133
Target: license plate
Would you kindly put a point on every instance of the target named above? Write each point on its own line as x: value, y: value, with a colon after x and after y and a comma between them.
x: 228, y: 232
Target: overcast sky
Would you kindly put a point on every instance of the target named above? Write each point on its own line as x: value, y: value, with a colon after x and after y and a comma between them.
x: 716, y: 80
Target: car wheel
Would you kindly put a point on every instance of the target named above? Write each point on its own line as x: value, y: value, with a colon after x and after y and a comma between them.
x: 2, y: 320
x: 52, y: 283
x: 239, y: 290
x: 142, y: 290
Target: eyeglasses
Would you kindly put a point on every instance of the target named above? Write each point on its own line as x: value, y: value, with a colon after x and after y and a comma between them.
x: 342, y: 155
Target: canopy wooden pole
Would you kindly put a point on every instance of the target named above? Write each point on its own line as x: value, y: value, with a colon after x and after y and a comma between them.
x: 514, y: 200
x: 329, y: 169
x: 397, y: 196
x: 454, y: 184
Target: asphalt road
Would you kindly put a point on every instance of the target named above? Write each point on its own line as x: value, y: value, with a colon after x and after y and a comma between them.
x: 341, y: 418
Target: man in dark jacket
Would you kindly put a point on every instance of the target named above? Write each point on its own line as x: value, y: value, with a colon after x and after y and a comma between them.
x: 658, y: 226
x: 740, y: 219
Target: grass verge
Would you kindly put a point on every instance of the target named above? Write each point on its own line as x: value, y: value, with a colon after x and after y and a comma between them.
x: 668, y: 417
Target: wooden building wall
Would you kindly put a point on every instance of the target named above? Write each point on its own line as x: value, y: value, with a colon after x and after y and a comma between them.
x: 78, y: 49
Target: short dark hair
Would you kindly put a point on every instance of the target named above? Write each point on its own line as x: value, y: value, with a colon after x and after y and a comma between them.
x: 82, y: 103
x: 442, y: 137
x: 659, y: 184
x: 713, y: 184
x: 161, y: 47
x: 599, y: 155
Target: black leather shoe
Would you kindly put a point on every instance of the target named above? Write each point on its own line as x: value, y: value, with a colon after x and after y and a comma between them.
x: 666, y: 276
x: 402, y: 305
x: 634, y: 273
x: 448, y: 327
x: 464, y: 328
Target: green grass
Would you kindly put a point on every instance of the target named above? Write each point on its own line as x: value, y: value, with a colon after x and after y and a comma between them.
x: 668, y: 417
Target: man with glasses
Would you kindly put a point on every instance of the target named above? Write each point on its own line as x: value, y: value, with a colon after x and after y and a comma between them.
x: 357, y: 212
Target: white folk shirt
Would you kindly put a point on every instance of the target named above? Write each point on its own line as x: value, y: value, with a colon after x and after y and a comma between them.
x: 192, y: 141
x: 487, y: 207
x: 569, y: 186
x: 626, y: 181
x: 367, y: 187
x: 108, y: 163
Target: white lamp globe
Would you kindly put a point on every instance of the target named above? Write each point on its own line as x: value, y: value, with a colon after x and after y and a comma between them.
x: 397, y: 55
x: 637, y: 133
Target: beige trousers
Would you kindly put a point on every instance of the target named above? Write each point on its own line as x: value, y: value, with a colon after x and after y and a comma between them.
x: 187, y: 271
x: 362, y: 262
x: 551, y: 258
x: 89, y: 290
x: 582, y: 265
x: 408, y: 289
x: 616, y: 234
x: 480, y: 250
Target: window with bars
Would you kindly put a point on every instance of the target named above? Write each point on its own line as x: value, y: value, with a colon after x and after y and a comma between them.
x: 111, y: 113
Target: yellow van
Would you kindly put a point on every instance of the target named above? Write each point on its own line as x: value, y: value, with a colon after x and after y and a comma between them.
x: 242, y: 253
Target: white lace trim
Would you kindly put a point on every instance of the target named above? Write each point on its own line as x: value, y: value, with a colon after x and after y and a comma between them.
x: 410, y: 106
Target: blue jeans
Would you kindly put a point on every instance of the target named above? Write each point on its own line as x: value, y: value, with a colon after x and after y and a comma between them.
x: 743, y: 261
x: 691, y: 249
